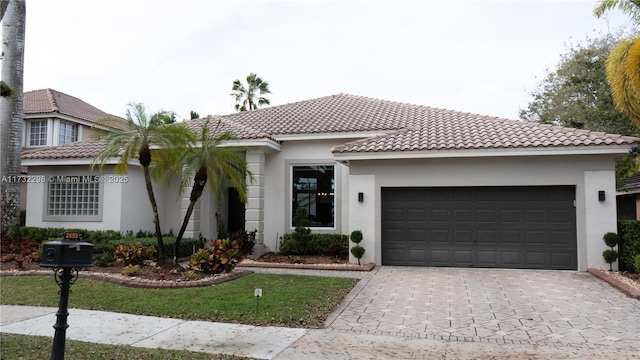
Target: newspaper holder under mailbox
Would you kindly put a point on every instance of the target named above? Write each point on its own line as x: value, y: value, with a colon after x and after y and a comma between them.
x: 69, y: 252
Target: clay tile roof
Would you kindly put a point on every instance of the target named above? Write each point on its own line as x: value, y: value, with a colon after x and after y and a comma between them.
x: 51, y: 101
x: 75, y: 150
x: 90, y: 148
x: 330, y: 114
x: 427, y: 128
x: 240, y: 130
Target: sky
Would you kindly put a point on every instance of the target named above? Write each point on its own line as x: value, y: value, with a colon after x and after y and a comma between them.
x: 483, y: 57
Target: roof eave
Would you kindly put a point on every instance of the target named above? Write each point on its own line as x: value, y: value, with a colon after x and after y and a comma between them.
x: 331, y: 135
x: 474, y: 153
x: 71, y: 161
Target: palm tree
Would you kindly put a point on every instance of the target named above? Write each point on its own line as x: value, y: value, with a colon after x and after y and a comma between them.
x: 207, y: 162
x: 12, y: 20
x: 623, y: 62
x: 247, y: 98
x: 135, y: 142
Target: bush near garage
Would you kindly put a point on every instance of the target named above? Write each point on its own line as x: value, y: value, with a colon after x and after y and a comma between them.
x: 629, y: 244
x: 335, y: 245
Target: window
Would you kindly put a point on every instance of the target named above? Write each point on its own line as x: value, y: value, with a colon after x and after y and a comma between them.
x: 38, y: 133
x: 73, y: 196
x: 66, y: 133
x: 313, y: 189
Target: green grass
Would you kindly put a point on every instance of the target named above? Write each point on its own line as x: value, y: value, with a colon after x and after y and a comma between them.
x: 288, y: 300
x: 14, y: 347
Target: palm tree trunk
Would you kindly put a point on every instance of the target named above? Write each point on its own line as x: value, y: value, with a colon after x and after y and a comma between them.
x: 12, y: 20
x: 199, y: 181
x: 154, y: 207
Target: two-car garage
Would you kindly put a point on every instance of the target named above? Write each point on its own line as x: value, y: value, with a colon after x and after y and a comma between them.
x: 527, y: 227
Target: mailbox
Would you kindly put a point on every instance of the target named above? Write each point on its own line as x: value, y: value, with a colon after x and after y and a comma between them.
x: 68, y: 252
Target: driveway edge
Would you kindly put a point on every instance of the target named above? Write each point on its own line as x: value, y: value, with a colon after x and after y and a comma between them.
x: 624, y: 288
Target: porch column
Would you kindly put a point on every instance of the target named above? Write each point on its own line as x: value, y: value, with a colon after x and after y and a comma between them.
x: 254, y: 210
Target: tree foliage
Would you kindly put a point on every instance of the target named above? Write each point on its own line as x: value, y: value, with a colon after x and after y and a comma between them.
x: 250, y: 97
x: 576, y: 94
x: 206, y: 160
x: 623, y: 63
x: 134, y: 143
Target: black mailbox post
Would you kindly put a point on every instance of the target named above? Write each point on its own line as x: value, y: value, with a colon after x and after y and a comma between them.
x: 64, y: 256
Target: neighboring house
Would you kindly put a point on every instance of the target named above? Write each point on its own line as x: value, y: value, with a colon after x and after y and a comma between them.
x: 628, y: 197
x: 427, y: 186
x: 52, y: 118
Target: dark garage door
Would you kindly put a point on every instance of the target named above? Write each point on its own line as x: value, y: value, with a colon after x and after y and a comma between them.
x: 498, y: 227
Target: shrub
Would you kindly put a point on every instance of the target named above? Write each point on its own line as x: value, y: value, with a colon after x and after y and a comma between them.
x: 188, y: 275
x: 11, y: 249
x: 144, y: 234
x: 611, y: 239
x: 134, y: 253
x: 356, y: 236
x: 103, y: 259
x: 629, y: 244
x: 187, y: 245
x: 220, y: 256
x: 636, y: 263
x: 130, y: 270
x: 358, y: 252
x: 246, y: 241
x: 315, y: 244
x: 610, y: 256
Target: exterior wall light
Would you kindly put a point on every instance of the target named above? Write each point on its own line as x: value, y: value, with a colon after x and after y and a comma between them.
x: 360, y: 197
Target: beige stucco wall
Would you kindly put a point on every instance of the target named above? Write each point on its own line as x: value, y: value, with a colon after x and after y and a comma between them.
x: 588, y: 173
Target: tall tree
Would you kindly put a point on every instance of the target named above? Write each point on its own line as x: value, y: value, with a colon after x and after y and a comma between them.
x: 193, y: 115
x: 208, y: 161
x: 250, y: 97
x: 164, y: 117
x: 12, y: 24
x: 623, y: 63
x: 577, y: 94
x: 135, y: 142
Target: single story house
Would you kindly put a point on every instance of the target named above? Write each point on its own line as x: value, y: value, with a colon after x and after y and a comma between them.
x: 426, y: 186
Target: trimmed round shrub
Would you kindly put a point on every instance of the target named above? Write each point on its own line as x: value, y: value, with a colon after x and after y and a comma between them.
x: 611, y: 239
x: 356, y: 236
x: 358, y: 252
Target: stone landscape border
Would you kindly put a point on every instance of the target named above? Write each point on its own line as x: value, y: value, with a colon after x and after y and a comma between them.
x: 341, y: 267
x: 137, y: 282
x: 624, y: 288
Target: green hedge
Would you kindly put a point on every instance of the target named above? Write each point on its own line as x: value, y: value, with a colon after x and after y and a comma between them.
x: 629, y: 245
x: 40, y: 235
x: 105, y: 241
x: 315, y: 244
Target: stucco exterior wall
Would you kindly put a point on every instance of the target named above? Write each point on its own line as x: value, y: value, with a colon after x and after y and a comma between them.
x: 277, y: 187
x: 588, y: 173
x: 125, y: 205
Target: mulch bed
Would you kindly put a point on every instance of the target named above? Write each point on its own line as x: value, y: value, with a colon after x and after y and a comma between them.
x: 167, y: 275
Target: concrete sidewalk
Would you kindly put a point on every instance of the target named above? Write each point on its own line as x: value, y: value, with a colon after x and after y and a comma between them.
x: 271, y: 342
x: 264, y: 342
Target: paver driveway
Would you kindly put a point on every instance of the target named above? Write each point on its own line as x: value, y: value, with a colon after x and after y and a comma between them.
x: 503, y: 306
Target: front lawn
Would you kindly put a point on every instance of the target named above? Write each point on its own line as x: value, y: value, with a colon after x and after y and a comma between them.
x: 17, y: 347
x: 287, y: 300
